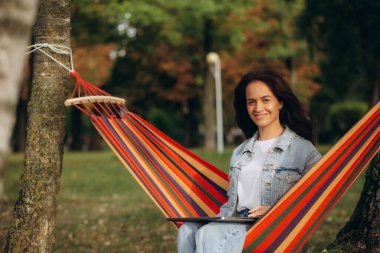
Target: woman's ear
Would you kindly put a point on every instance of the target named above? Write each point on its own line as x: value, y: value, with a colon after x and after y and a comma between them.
x: 281, y: 105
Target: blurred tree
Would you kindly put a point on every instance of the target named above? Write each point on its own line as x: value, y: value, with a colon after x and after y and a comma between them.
x: 96, y: 39
x: 19, y: 131
x: 35, y: 210
x: 93, y: 63
x: 165, y: 55
x: 161, y: 47
x: 362, y: 232
x: 16, y: 20
x: 343, y: 37
x: 97, y: 21
x: 168, y: 42
x: 271, y: 41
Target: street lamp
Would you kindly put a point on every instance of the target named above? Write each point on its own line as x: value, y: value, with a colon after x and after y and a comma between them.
x: 213, y: 60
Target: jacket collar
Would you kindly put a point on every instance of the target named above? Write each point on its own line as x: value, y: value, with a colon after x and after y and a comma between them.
x: 283, y: 143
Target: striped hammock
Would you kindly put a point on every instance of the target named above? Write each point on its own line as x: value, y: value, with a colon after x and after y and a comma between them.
x: 183, y: 185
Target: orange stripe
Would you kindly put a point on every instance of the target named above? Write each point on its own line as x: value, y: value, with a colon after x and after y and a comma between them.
x: 209, y: 166
x: 295, y: 192
x: 158, y: 181
x: 191, y: 172
x: 158, y: 197
x: 325, y: 204
x: 190, y: 187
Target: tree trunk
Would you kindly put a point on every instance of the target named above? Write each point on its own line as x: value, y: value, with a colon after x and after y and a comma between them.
x: 191, y: 124
x: 76, y: 130
x: 209, y: 112
x: 19, y: 131
x: 96, y: 142
x: 16, y: 21
x: 362, y: 231
x: 34, y: 214
x: 289, y: 61
x: 209, y: 118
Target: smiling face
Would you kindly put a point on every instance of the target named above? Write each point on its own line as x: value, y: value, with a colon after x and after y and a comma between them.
x: 263, y: 106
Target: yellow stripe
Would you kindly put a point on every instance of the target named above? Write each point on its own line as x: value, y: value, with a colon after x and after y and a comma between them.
x: 223, y: 183
x: 129, y: 169
x: 154, y: 178
x: 147, y: 169
x: 188, y: 190
x: 327, y: 156
x: 178, y: 180
x: 326, y: 193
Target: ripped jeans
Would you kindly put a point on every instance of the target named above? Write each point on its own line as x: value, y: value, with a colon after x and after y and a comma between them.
x: 214, y: 237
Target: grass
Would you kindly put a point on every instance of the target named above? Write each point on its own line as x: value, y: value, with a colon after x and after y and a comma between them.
x: 103, y: 209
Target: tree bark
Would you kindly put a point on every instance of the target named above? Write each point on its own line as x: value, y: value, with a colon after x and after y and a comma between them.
x: 208, y: 102
x: 362, y: 231
x: 34, y: 214
x: 209, y: 112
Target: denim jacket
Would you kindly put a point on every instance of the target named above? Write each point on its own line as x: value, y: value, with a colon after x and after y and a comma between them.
x: 285, y: 164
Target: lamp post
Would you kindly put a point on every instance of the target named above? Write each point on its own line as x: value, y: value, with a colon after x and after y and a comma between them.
x: 213, y: 61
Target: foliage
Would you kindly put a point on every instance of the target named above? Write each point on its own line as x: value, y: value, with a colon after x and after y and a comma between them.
x: 168, y: 119
x: 342, y: 116
x: 342, y: 37
x: 160, y: 47
x: 96, y: 21
x: 164, y: 63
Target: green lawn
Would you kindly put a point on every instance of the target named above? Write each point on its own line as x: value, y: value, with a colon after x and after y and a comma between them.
x: 103, y: 209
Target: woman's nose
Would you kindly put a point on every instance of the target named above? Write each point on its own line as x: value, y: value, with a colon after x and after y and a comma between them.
x: 258, y: 107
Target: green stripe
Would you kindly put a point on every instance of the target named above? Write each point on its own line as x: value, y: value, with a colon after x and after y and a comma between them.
x: 154, y: 170
x: 346, y: 185
x: 199, y: 186
x: 269, y: 230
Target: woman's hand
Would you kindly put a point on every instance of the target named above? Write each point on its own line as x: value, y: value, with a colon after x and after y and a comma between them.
x: 258, y: 212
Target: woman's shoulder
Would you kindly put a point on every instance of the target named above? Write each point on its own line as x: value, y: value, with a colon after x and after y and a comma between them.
x: 303, y: 146
x: 240, y: 148
x: 302, y: 140
x: 302, y: 143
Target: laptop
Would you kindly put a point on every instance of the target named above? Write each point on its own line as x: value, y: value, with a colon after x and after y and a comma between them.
x: 213, y: 219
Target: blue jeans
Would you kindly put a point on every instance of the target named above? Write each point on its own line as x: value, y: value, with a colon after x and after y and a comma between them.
x: 211, y: 238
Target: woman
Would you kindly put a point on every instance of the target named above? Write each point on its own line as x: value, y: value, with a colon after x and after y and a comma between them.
x: 278, y: 151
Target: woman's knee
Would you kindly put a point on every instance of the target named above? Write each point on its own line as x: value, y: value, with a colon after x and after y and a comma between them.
x: 215, y: 237
x: 186, y: 237
x: 207, y: 233
x: 188, y: 229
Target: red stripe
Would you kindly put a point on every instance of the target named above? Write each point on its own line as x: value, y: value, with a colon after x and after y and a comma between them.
x: 270, y: 218
x: 190, y: 171
x: 329, y: 198
x: 186, y: 203
x: 166, y: 138
x: 154, y: 193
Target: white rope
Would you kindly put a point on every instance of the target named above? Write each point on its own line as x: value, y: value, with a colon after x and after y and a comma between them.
x: 55, y: 48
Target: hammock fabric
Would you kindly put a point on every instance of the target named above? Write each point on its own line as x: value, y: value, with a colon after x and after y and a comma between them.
x: 183, y: 185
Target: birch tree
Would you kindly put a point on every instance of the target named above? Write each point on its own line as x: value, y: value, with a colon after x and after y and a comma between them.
x: 16, y: 21
x: 35, y: 211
